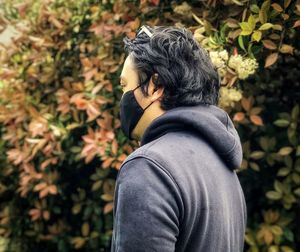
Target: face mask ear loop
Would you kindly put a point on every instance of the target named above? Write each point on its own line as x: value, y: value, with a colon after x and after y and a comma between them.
x: 148, y: 105
x: 136, y: 88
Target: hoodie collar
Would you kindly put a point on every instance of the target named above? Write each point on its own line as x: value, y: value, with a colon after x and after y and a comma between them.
x: 209, y: 122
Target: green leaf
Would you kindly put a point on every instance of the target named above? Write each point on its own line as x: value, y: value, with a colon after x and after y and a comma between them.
x: 288, y: 234
x: 282, y: 123
x: 265, y: 26
x: 257, y: 155
x: 252, y: 22
x: 273, y: 195
x: 276, y: 230
x: 241, y: 42
x: 256, y: 36
x: 284, y: 151
x: 247, y: 29
x: 296, y: 178
x: 254, y: 166
x: 254, y: 8
x: 278, y: 186
x: 297, y: 191
x: 284, y: 171
x: 295, y: 112
x: 76, y: 208
x: 298, y: 151
x: 263, y: 13
x: 263, y: 141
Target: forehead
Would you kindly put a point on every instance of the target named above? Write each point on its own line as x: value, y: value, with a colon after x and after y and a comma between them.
x: 128, y: 69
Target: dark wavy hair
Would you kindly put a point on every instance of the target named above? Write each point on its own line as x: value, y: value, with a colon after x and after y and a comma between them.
x: 184, y: 68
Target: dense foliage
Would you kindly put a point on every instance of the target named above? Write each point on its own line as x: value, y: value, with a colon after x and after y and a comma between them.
x: 61, y: 145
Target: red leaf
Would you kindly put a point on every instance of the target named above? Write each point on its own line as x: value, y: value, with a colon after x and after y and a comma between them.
x: 155, y: 2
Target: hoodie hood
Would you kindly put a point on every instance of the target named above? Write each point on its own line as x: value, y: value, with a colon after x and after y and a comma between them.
x: 209, y: 122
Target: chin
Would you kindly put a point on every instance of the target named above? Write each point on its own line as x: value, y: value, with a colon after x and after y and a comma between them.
x: 135, y: 136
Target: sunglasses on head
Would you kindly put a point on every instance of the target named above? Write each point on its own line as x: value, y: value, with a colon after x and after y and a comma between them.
x: 144, y: 29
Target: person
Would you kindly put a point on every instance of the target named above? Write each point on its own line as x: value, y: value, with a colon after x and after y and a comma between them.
x: 178, y: 191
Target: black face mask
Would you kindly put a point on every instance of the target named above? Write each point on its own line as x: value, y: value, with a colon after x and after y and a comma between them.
x: 130, y: 112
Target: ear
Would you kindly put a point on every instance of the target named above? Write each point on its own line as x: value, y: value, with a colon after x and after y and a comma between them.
x: 155, y: 91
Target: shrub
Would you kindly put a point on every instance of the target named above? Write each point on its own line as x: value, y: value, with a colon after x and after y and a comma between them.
x: 61, y: 143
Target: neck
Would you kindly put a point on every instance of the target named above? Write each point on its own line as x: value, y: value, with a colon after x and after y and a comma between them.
x: 149, y: 115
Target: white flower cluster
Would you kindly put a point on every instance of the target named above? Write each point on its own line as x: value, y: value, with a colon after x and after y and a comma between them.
x: 219, y: 59
x: 242, y: 66
x: 228, y: 96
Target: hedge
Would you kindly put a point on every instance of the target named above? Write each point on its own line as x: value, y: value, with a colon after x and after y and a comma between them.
x: 61, y: 143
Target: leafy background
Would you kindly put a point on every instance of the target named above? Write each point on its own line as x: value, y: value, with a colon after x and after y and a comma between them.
x: 61, y: 145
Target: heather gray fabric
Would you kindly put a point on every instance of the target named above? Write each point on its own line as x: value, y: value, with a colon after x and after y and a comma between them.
x: 179, y: 190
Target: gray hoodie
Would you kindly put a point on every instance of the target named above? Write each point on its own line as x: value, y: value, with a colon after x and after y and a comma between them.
x: 179, y: 190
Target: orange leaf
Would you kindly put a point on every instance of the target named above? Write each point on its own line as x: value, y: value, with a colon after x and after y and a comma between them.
x: 268, y: 236
x: 118, y: 165
x: 93, y: 111
x: 286, y: 49
x: 35, y: 214
x: 107, y: 163
x: 255, y: 111
x: 44, y: 192
x: 40, y: 186
x: 239, y: 116
x: 114, y: 147
x: 108, y: 207
x: 46, y: 215
x: 256, y: 120
x: 296, y: 24
x: 55, y: 22
x: 246, y: 103
x: 122, y: 157
x: 110, y: 135
x: 271, y: 59
x: 86, y: 63
x: 269, y: 44
x: 134, y: 25
x: 107, y: 197
x: 52, y: 189
x: 277, y: 7
x: 89, y: 74
x: 78, y: 242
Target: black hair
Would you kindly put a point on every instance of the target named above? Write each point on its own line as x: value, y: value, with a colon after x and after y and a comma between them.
x: 184, y: 68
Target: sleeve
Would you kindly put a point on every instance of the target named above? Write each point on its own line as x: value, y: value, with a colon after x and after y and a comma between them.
x: 146, y: 212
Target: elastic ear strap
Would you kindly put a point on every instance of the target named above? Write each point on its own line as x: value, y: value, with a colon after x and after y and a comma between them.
x: 136, y: 87
x: 148, y: 105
